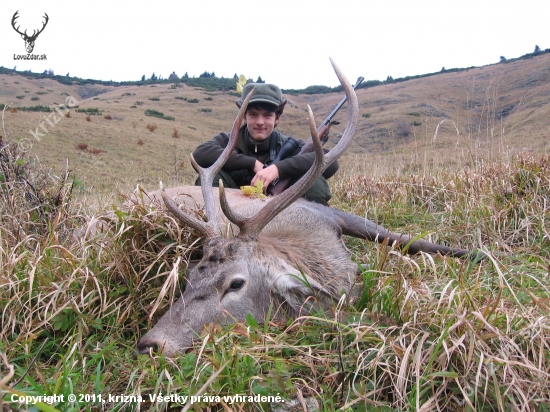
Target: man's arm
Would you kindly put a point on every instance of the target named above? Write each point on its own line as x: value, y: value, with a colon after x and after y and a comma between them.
x: 208, y: 152
x: 296, y: 166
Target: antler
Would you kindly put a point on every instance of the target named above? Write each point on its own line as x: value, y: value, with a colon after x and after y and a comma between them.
x: 34, y: 35
x: 209, y: 228
x: 15, y: 16
x: 252, y: 226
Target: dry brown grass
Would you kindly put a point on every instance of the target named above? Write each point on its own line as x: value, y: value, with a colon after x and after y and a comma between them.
x: 430, y: 333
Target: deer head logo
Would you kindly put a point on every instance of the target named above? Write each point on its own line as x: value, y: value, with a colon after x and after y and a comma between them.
x: 29, y: 40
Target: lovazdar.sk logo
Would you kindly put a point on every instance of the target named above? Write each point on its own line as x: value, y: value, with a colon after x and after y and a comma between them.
x: 29, y: 39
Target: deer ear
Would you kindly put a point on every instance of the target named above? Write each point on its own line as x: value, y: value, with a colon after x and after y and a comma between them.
x: 298, y: 290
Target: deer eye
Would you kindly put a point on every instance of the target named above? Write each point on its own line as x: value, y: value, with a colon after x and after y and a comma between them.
x: 236, y: 284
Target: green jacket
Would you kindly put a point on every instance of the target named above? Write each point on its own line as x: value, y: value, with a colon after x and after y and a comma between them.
x: 240, y: 164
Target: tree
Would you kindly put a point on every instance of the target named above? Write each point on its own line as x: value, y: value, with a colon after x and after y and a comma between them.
x: 154, y: 77
x: 143, y: 78
x: 537, y: 50
x: 173, y: 77
x: 502, y: 58
x: 260, y: 80
x: 207, y: 74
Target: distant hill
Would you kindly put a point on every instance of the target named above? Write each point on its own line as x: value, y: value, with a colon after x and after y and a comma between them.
x: 108, y: 144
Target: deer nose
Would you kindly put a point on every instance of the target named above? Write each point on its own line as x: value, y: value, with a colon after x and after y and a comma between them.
x: 145, y: 348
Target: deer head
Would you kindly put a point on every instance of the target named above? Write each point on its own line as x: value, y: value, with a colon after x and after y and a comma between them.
x: 279, y: 260
x: 29, y: 40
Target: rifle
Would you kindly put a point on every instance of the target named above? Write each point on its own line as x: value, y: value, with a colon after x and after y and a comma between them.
x: 290, y: 146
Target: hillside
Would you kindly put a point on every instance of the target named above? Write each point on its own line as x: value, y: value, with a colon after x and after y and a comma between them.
x: 505, y: 104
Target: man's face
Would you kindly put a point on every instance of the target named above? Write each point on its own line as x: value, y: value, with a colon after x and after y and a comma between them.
x: 261, y: 123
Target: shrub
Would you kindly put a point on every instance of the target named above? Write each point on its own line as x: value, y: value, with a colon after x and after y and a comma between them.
x: 133, y: 107
x: 207, y: 98
x: 138, y: 103
x: 193, y: 100
x: 181, y: 98
x: 155, y: 99
x: 417, y: 123
x: 82, y: 146
x: 41, y: 92
x: 416, y: 114
x: 175, y: 134
x: 21, y: 96
x: 68, y: 114
x: 88, y: 118
x: 205, y: 110
x: 366, y: 115
x: 91, y: 110
x: 403, y: 128
x: 140, y: 142
x: 156, y: 113
x: 108, y: 117
x: 35, y: 98
x: 95, y: 151
x: 38, y: 108
x: 14, y: 110
x: 151, y: 127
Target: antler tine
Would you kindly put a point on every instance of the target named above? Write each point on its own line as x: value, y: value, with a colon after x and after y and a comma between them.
x: 210, y: 227
x: 15, y: 17
x: 44, y: 24
x: 35, y: 33
x: 207, y: 175
x: 201, y: 226
x: 252, y: 226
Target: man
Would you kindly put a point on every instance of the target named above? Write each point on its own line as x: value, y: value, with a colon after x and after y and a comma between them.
x: 257, y: 146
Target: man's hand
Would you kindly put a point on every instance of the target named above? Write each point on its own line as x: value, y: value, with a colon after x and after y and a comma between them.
x: 267, y: 175
x: 258, y: 166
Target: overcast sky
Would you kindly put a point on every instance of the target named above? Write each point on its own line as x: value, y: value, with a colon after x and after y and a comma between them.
x: 286, y: 42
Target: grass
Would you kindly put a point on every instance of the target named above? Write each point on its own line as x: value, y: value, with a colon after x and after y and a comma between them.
x: 426, y: 333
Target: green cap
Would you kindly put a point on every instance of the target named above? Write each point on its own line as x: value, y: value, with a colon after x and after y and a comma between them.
x: 263, y: 92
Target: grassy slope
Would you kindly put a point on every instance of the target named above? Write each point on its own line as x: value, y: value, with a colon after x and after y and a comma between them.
x: 430, y: 332
x: 469, y: 99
